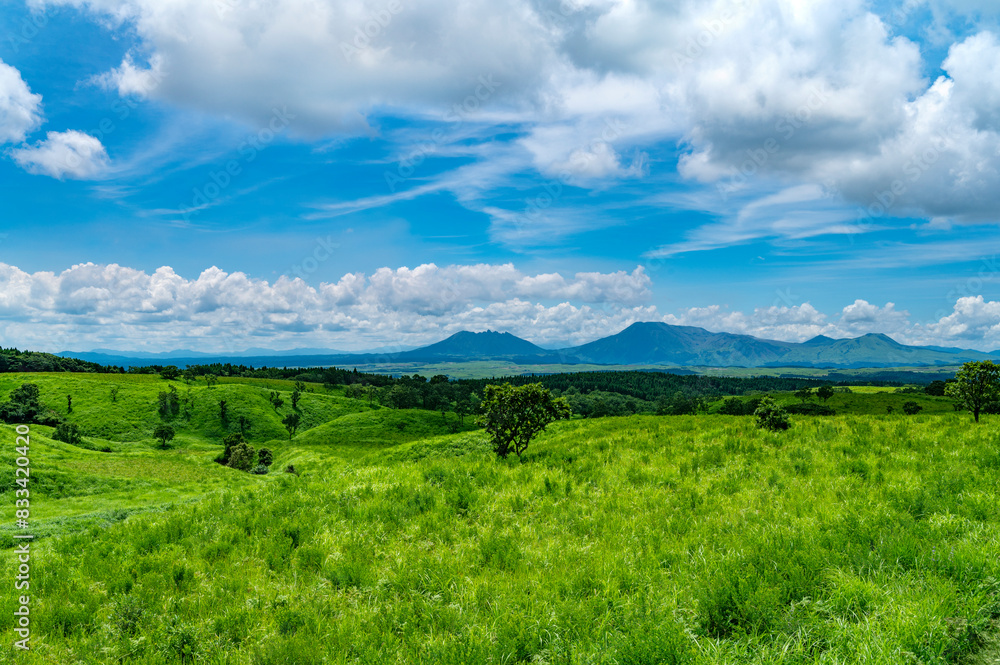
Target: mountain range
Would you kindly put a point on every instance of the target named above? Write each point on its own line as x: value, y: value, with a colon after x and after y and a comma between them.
x: 649, y: 343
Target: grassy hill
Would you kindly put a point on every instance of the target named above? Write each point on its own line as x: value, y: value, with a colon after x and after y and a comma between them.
x: 689, y: 539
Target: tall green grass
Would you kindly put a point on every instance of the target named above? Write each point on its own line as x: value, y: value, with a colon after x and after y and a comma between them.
x: 855, y: 539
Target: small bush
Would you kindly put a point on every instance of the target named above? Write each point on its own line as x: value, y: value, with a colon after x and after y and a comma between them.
x: 770, y: 416
x: 68, y: 433
x: 127, y: 614
x: 911, y: 408
x: 260, y: 469
x: 242, y: 457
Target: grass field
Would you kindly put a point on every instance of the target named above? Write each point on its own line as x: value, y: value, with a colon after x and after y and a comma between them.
x: 681, y: 539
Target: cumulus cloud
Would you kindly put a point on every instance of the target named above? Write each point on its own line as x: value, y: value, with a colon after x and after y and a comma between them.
x: 129, y: 79
x: 773, y: 89
x: 20, y: 109
x: 230, y: 311
x: 90, y: 306
x: 70, y: 154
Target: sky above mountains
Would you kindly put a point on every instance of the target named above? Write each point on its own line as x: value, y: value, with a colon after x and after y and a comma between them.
x: 229, y: 174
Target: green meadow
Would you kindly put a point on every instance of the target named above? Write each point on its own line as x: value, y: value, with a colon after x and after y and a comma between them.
x: 863, y: 537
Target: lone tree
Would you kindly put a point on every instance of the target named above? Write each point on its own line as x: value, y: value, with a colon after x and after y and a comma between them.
x: 512, y: 415
x: 911, y: 408
x: 291, y: 423
x: 976, y: 385
x: 265, y: 457
x: 165, y: 433
x: 223, y: 414
x: 804, y: 394
x: 824, y: 392
x: 770, y: 416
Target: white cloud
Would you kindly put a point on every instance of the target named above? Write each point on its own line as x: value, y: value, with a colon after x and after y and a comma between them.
x: 96, y: 305
x: 128, y: 79
x: 766, y: 94
x: 20, y: 109
x: 70, y: 154
x: 113, y: 306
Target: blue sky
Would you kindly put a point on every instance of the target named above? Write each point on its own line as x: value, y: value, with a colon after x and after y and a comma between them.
x: 232, y: 174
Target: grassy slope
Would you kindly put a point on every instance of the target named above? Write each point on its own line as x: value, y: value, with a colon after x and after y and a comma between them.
x: 669, y: 540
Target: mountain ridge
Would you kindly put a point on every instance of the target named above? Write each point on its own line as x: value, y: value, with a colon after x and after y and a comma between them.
x: 641, y: 343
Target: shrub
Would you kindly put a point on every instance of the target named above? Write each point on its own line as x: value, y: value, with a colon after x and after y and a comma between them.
x: 265, y: 457
x: 68, y: 433
x: 911, y: 408
x: 242, y: 457
x: 770, y: 416
x: 127, y: 613
x: 230, y: 442
x: 260, y: 469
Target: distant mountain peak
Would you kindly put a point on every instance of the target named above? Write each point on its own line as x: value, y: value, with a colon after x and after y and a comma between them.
x: 488, y: 343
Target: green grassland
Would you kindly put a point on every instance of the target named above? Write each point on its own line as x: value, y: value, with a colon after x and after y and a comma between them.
x: 678, y: 539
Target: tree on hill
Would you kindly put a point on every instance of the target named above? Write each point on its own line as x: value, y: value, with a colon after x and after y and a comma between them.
x: 165, y: 433
x: 114, y: 393
x: 936, y: 388
x: 976, y: 385
x: 222, y: 410
x: 265, y: 457
x: 770, y: 416
x: 170, y: 373
x: 825, y: 392
x: 804, y: 394
x: 911, y: 408
x: 23, y: 405
x: 291, y: 423
x: 296, y: 394
x: 211, y: 380
x: 512, y: 415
